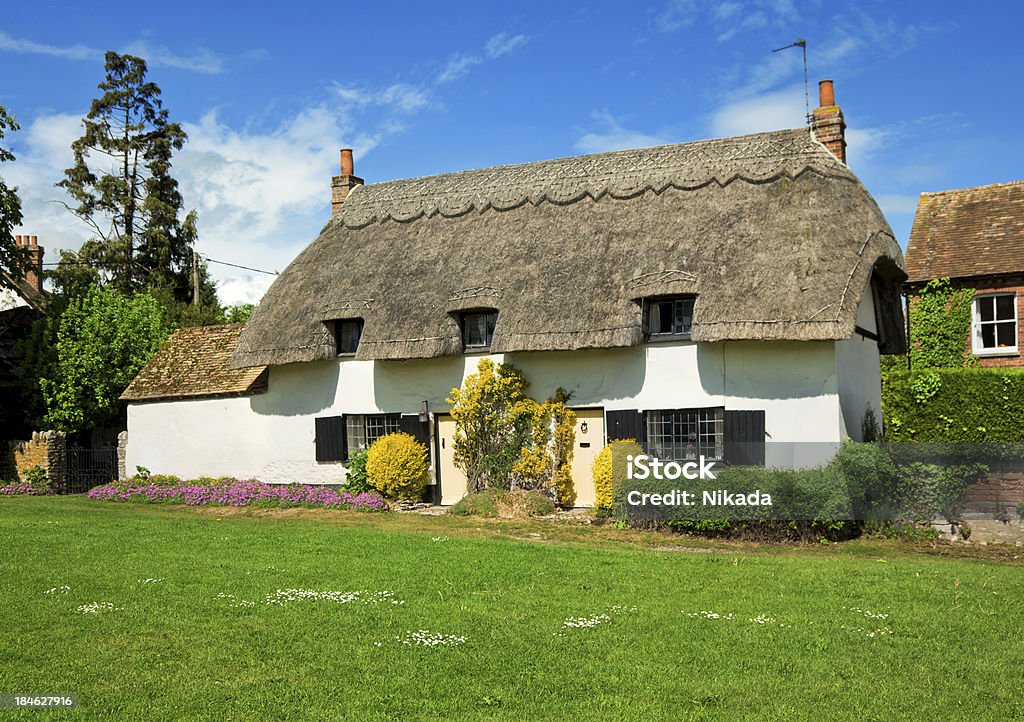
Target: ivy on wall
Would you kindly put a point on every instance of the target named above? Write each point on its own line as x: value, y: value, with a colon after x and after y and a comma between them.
x: 940, y: 326
x: 952, y: 404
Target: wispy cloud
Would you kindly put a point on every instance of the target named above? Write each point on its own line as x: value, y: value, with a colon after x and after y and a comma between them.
x: 71, y: 52
x: 496, y: 47
x: 615, y: 137
x: 677, y: 14
x: 202, y: 60
x: 726, y: 19
x: 401, y: 96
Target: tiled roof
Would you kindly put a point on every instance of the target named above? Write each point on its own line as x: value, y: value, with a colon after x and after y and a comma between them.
x: 968, y: 232
x: 193, y: 362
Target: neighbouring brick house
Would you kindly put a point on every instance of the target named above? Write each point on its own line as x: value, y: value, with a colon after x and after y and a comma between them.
x: 21, y: 303
x: 975, y: 237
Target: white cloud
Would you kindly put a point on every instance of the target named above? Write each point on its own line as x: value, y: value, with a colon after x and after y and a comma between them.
x: 496, y: 47
x: 893, y: 204
x: 72, y: 52
x: 203, y: 60
x: 503, y: 44
x: 755, y: 114
x: 615, y: 137
x: 676, y: 15
x: 401, y: 96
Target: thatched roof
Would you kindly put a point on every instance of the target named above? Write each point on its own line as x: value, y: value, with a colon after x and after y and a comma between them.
x: 775, y: 236
x: 193, y: 363
x: 968, y: 232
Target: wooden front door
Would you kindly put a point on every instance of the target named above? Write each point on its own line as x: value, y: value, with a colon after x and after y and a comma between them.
x: 589, y: 442
x: 453, y: 481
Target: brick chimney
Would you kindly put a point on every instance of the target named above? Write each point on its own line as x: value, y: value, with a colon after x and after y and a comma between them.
x: 342, y: 185
x: 34, y: 275
x: 827, y: 121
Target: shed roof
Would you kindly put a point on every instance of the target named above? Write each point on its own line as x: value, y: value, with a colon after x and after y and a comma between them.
x: 193, y: 362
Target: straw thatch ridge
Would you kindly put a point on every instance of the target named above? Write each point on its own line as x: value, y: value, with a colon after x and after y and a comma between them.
x: 777, y: 238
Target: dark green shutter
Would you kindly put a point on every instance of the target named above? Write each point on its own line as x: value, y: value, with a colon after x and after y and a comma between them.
x: 419, y: 430
x: 744, y: 437
x: 627, y: 424
x: 330, y: 438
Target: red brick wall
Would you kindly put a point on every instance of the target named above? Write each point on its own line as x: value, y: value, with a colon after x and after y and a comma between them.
x: 999, y: 491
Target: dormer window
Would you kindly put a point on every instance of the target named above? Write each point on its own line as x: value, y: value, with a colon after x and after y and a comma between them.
x: 668, y: 318
x: 346, y: 335
x: 478, y: 329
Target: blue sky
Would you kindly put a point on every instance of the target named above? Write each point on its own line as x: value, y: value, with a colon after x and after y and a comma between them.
x: 268, y: 92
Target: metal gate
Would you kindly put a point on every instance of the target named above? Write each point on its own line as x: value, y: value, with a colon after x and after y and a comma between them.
x: 88, y: 468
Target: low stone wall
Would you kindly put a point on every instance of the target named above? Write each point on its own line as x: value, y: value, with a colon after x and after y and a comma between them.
x: 998, y: 493
x: 47, y: 449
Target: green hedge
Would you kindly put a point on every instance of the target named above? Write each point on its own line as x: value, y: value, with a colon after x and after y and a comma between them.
x: 954, y: 404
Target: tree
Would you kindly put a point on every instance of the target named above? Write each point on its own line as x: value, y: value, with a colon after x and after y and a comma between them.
x: 13, y: 260
x: 492, y: 424
x: 122, y: 186
x: 102, y: 341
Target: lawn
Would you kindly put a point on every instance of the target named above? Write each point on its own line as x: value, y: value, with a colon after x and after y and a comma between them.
x: 584, y: 626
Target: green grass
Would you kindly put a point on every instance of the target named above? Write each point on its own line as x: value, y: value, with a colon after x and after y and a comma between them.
x: 174, y: 650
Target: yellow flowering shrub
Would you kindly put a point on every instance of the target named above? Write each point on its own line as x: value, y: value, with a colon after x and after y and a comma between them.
x: 610, y: 470
x: 398, y: 466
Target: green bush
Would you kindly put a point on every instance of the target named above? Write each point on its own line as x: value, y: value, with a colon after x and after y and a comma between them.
x: 398, y: 466
x: 357, y: 480
x: 946, y: 405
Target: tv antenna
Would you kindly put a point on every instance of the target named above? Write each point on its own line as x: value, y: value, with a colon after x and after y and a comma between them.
x: 802, y: 44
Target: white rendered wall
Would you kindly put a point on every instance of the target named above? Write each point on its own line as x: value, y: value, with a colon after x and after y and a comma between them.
x: 270, y: 436
x: 857, y: 365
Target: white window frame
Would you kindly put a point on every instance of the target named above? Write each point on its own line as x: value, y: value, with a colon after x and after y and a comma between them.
x: 977, y: 348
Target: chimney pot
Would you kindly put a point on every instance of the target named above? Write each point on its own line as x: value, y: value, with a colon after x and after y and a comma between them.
x: 17, y: 240
x: 35, y: 240
x: 826, y: 93
x: 342, y: 185
x: 347, y: 166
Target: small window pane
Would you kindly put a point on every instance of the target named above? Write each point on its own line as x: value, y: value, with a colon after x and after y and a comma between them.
x: 670, y: 317
x: 1006, y: 334
x: 354, y: 432
x: 988, y: 335
x: 1004, y: 308
x: 348, y: 333
x: 986, y: 308
x: 478, y: 329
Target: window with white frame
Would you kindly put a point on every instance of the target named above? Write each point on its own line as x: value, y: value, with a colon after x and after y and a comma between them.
x: 680, y: 434
x: 361, y: 430
x: 995, y: 324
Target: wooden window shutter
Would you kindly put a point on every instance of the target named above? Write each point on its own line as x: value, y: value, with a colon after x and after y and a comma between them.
x: 627, y: 424
x: 419, y: 430
x: 743, y: 434
x: 330, y: 439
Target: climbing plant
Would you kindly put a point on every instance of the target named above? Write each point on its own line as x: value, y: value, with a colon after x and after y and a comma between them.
x: 940, y: 326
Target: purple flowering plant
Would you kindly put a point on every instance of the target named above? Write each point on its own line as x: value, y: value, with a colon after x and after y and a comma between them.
x: 227, y: 491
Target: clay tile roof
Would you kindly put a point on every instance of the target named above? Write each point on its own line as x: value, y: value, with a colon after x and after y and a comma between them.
x: 193, y: 362
x: 968, y: 232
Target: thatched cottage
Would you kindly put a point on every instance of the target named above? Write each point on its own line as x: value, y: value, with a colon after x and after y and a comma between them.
x: 704, y: 296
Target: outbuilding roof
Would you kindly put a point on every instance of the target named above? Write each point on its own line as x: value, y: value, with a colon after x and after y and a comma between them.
x: 968, y: 232
x: 774, y: 235
x: 193, y: 363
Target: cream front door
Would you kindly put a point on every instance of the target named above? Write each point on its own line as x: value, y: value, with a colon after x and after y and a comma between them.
x: 589, y: 442
x: 453, y: 481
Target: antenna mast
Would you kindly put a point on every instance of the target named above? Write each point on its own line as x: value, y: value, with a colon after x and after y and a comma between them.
x: 802, y: 44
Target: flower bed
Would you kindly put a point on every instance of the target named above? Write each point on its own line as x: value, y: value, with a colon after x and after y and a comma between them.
x: 20, y: 487
x: 232, y: 492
